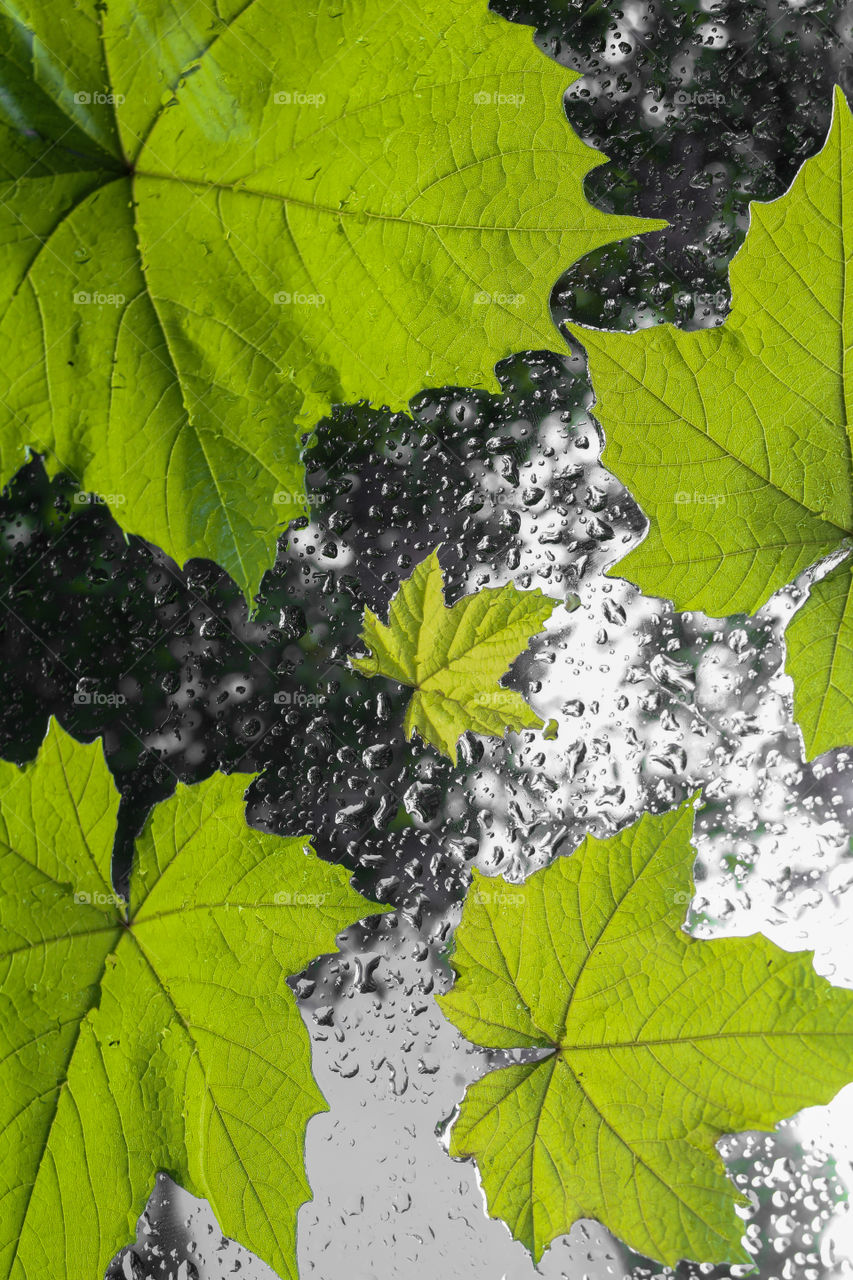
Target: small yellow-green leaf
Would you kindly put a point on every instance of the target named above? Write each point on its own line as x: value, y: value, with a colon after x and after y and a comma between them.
x: 453, y: 658
x: 654, y: 1046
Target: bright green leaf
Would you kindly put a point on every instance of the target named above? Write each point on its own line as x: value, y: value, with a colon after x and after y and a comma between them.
x: 163, y: 1037
x: 655, y: 1046
x: 820, y: 660
x: 453, y: 658
x: 217, y: 222
x: 737, y: 441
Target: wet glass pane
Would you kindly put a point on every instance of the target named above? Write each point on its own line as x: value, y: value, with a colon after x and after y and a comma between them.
x: 700, y: 108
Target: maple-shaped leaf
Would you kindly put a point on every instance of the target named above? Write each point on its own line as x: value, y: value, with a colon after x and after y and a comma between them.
x: 157, y: 1036
x: 217, y: 221
x: 654, y: 1046
x: 737, y: 441
x: 454, y: 657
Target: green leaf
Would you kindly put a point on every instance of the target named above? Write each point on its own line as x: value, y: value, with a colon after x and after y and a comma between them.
x: 268, y: 213
x: 737, y: 441
x: 820, y: 661
x: 453, y: 658
x: 656, y: 1045
x: 158, y: 1037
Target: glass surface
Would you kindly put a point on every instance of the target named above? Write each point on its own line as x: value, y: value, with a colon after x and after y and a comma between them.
x: 108, y: 635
